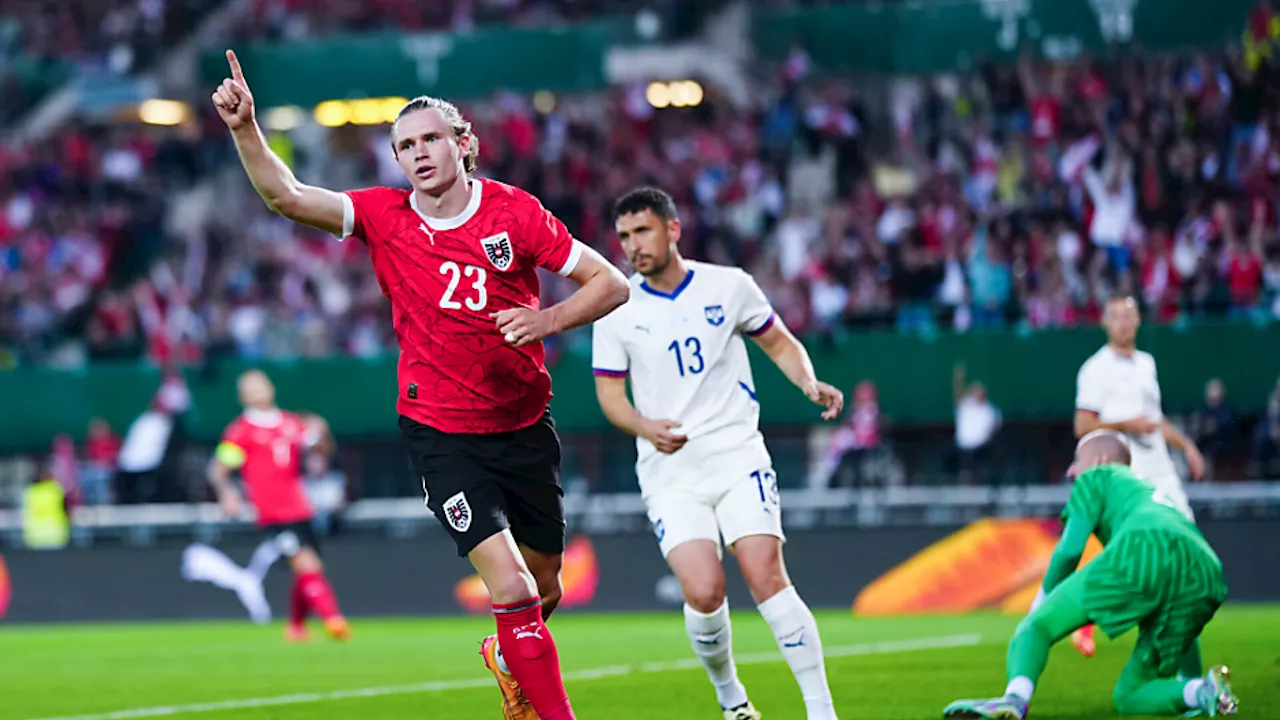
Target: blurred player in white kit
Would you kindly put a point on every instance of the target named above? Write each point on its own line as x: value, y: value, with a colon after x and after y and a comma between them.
x: 703, y: 467
x: 1118, y: 389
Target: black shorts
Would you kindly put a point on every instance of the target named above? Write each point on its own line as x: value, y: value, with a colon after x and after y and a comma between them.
x: 479, y: 484
x: 292, y: 537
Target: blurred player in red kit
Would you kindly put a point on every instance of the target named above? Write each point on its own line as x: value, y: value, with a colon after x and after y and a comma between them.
x: 266, y: 445
x: 458, y: 258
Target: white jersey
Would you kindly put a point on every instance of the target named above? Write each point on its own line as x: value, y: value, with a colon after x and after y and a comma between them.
x: 687, y: 361
x: 1120, y: 388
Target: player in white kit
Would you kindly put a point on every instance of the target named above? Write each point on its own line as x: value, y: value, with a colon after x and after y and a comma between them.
x: 703, y: 467
x: 1117, y: 389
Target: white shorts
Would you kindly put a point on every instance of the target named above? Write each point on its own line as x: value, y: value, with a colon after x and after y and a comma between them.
x: 1171, y: 487
x: 710, y: 510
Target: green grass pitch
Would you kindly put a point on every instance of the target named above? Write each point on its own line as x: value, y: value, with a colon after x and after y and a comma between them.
x: 620, y: 667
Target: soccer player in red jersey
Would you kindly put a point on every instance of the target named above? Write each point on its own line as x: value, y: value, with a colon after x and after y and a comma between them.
x: 266, y: 444
x: 458, y: 258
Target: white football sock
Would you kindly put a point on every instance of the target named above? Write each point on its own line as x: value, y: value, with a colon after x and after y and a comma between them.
x: 797, y: 634
x: 711, y: 636
x: 1190, y: 691
x: 1022, y: 687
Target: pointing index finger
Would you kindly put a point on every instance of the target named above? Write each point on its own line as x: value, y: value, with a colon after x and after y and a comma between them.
x: 236, y: 73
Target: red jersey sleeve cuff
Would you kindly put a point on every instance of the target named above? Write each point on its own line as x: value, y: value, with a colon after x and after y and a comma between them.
x: 761, y: 330
x: 604, y: 372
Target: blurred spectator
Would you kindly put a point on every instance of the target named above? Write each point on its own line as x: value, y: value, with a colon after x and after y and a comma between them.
x: 977, y: 421
x: 855, y: 444
x: 46, y: 523
x: 1213, y: 425
x: 326, y: 488
x: 64, y: 469
x: 1114, y: 206
x: 1017, y: 194
x: 1266, y: 438
x: 146, y: 465
x: 101, y: 447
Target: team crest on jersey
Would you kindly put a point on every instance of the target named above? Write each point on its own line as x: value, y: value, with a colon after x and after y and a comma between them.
x: 715, y: 315
x: 458, y: 512
x: 498, y: 249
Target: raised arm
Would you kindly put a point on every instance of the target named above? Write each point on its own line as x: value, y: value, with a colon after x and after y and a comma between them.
x: 271, y: 177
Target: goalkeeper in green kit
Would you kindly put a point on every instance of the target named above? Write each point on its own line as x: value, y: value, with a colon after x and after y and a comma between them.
x: 1156, y: 572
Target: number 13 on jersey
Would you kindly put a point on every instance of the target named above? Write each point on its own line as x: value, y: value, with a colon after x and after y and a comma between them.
x: 692, y: 346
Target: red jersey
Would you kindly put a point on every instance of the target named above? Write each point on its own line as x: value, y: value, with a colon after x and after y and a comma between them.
x: 445, y: 278
x: 267, y: 449
x: 1244, y: 278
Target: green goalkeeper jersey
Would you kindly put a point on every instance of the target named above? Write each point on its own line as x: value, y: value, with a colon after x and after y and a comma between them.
x: 1111, y: 499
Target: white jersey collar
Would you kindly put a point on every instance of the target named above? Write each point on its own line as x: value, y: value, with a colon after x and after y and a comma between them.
x: 264, y: 418
x: 456, y: 221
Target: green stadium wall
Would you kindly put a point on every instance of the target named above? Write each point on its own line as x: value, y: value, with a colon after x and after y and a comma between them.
x: 1031, y: 377
x: 559, y: 59
x: 944, y: 35
x: 919, y: 37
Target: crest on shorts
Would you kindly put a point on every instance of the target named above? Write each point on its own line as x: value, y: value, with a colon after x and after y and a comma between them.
x: 498, y: 249
x: 715, y: 315
x: 458, y: 512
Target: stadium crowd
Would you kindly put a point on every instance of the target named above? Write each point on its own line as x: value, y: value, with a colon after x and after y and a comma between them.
x: 1017, y: 195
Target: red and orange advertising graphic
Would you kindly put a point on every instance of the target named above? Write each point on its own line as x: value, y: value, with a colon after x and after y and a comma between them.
x: 6, y: 589
x: 990, y: 564
x: 579, y: 575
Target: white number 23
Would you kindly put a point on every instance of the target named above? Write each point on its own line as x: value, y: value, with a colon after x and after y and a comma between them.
x: 475, y: 302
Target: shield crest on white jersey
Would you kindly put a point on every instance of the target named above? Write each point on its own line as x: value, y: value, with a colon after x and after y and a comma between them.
x: 458, y: 512
x: 715, y: 315
x: 498, y: 249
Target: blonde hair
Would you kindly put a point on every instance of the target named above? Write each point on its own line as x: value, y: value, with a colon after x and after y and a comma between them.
x: 453, y: 116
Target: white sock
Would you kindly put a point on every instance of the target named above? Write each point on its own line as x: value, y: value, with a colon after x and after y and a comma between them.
x: 502, y: 661
x: 797, y: 634
x: 1190, y: 691
x: 1022, y: 687
x: 711, y: 636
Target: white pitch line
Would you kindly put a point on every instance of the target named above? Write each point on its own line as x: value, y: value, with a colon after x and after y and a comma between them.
x: 879, y: 648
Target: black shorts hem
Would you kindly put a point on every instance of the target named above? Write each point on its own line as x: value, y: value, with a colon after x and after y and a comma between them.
x: 478, y: 485
x: 290, y: 537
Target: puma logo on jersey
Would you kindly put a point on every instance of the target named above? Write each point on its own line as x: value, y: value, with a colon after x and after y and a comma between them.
x: 430, y: 235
